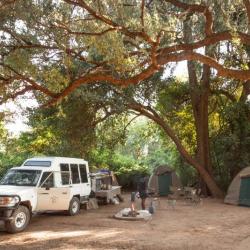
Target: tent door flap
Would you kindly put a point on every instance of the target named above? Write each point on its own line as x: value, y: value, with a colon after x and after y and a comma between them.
x: 244, y: 198
x: 165, y: 181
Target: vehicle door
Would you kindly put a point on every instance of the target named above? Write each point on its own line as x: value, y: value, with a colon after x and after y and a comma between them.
x: 50, y: 197
x: 85, y: 179
x: 76, y: 187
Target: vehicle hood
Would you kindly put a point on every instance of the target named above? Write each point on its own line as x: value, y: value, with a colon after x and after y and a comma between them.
x: 15, y: 190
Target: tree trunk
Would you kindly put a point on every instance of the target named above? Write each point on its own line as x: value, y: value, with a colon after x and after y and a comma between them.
x: 199, y: 98
x: 209, y: 180
x: 199, y: 92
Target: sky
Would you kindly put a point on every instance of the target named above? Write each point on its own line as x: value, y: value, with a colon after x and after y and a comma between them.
x: 17, y: 123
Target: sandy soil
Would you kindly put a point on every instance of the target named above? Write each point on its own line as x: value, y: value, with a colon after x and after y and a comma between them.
x: 211, y: 225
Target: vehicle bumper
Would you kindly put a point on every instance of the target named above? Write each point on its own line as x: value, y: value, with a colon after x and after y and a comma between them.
x: 6, y: 213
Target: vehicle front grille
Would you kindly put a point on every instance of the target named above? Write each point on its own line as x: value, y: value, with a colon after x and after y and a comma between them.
x: 5, y: 213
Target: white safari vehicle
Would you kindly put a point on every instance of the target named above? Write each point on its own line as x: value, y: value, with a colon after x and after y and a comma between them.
x: 43, y: 184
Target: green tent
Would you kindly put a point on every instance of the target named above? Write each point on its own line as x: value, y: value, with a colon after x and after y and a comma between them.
x: 161, y: 179
x: 239, y: 190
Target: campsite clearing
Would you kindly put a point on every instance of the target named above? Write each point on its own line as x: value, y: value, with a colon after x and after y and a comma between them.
x: 211, y: 225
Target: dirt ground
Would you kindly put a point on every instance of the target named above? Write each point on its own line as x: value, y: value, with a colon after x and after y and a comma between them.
x: 211, y: 225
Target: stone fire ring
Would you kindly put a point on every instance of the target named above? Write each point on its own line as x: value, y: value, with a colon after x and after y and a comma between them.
x: 141, y: 215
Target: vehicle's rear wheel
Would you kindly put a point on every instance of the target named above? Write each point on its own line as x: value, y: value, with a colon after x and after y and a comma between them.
x: 20, y: 221
x: 74, y: 206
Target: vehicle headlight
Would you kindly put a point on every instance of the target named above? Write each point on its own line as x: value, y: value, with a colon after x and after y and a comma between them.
x: 9, y: 201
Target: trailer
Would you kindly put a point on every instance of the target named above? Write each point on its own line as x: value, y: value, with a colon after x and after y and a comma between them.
x: 109, y: 195
x: 105, y: 187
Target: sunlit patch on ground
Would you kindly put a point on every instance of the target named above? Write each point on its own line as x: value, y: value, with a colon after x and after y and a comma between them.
x: 53, y: 235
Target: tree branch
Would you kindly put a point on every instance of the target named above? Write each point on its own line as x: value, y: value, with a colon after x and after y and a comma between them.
x: 142, y: 14
x: 33, y: 85
x: 247, y: 5
x: 100, y: 77
x: 110, y: 22
x: 221, y: 71
x: 169, y: 131
x: 16, y: 94
x: 197, y: 8
x: 223, y: 92
x: 4, y: 3
x: 81, y: 33
x: 213, y: 39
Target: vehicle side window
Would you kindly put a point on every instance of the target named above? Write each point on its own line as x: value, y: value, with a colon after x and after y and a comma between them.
x: 65, y: 174
x: 47, y: 180
x: 75, y: 173
x: 83, y: 172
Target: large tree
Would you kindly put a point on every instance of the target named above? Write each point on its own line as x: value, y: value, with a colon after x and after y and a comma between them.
x: 58, y: 46
x: 114, y: 41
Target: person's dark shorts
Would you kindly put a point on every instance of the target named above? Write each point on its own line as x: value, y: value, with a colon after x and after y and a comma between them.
x: 143, y: 195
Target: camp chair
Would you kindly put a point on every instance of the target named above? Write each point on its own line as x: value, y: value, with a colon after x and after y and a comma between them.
x: 154, y: 199
x: 192, y: 195
x: 173, y: 196
x: 174, y: 193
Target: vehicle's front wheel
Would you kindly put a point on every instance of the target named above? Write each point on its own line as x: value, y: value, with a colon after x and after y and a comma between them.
x: 21, y: 219
x: 74, y: 206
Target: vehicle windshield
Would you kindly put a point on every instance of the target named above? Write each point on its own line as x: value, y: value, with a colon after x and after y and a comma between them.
x: 18, y: 177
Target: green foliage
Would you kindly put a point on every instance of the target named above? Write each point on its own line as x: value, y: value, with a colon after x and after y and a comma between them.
x: 143, y: 149
x: 53, y: 41
x: 231, y: 144
x: 67, y: 129
x: 15, y: 151
x: 127, y: 170
x: 133, y: 146
x: 92, y: 121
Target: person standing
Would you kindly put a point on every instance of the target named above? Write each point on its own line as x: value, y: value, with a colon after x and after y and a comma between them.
x: 142, y: 190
